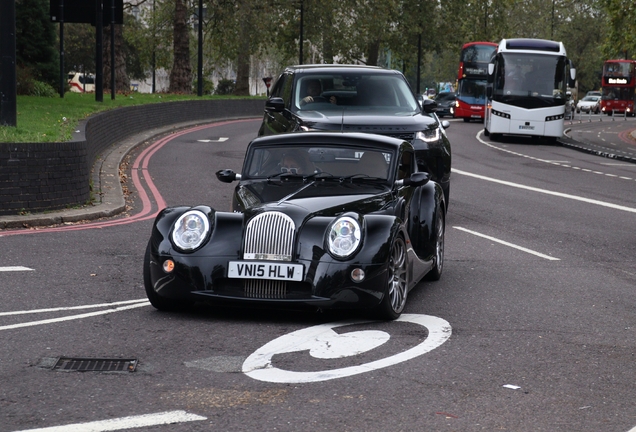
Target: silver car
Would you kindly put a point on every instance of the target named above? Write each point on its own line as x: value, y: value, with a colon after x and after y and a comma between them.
x: 589, y: 104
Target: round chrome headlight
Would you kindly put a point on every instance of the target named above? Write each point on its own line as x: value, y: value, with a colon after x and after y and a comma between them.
x: 190, y: 230
x: 344, y: 237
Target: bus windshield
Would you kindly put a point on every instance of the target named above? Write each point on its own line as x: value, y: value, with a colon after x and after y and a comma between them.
x: 530, y: 80
x: 472, y: 91
x: 618, y: 93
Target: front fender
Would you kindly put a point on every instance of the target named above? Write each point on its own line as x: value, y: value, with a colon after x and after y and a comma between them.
x: 424, y: 209
x: 378, y: 232
x: 225, y: 232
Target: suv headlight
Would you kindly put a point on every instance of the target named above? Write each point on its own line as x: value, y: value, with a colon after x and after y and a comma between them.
x: 343, y: 237
x: 429, y: 135
x: 190, y: 230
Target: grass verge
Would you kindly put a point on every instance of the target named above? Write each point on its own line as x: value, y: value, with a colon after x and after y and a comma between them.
x: 43, y: 119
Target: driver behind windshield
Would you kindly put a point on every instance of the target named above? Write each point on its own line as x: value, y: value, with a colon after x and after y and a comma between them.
x: 296, y: 162
x: 314, y: 92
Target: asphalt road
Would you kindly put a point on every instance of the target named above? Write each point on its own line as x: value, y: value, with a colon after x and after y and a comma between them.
x: 531, y: 327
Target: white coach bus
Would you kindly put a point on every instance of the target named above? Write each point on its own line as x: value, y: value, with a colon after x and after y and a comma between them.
x: 527, y: 89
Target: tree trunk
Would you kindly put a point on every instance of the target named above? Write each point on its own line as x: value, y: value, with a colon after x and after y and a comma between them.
x: 181, y: 73
x: 122, y: 82
x: 243, y: 59
x: 373, y: 52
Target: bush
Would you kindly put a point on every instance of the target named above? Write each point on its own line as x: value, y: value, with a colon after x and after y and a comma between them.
x: 25, y: 82
x: 208, y: 87
x: 43, y: 89
x: 225, y: 87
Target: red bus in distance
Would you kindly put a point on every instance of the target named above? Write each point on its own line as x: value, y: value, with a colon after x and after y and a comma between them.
x: 471, y: 80
x: 619, y: 80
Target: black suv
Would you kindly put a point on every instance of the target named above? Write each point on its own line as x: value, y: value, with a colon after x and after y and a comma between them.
x: 445, y: 104
x: 354, y: 98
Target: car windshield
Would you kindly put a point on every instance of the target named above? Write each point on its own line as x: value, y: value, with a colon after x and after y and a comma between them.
x: 319, y: 162
x: 388, y: 93
x: 590, y: 98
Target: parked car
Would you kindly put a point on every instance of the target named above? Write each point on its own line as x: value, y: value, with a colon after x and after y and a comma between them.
x: 81, y: 82
x: 589, y: 104
x: 354, y: 98
x: 319, y: 220
x: 445, y: 104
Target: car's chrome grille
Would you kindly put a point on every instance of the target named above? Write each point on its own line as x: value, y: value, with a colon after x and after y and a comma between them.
x: 265, y: 289
x: 269, y: 236
x: 262, y: 289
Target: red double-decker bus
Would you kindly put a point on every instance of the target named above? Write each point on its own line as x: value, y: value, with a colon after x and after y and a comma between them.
x: 619, y: 80
x: 471, y: 80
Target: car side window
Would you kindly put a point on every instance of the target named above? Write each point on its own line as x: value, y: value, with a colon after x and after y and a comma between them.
x: 276, y: 89
x: 286, y: 89
x: 406, y: 166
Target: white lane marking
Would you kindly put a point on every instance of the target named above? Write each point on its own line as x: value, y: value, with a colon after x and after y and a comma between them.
x: 547, y: 192
x: 317, y: 338
x: 72, y: 307
x: 505, y: 243
x: 162, y: 418
x: 222, y: 139
x: 564, y: 165
x: 15, y: 268
x: 74, y: 317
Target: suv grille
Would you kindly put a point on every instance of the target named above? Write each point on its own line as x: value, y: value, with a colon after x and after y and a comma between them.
x: 405, y: 136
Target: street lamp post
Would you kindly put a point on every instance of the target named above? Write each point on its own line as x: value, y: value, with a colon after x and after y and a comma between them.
x: 302, y: 12
x: 8, y: 86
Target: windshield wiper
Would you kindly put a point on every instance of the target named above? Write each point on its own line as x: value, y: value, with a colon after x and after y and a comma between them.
x: 320, y: 176
x: 361, y: 177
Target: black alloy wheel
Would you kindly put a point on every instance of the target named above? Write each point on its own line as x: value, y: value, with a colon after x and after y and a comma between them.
x: 397, y: 282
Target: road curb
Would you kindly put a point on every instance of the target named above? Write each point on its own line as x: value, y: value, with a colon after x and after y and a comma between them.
x: 566, y: 141
x: 109, y: 196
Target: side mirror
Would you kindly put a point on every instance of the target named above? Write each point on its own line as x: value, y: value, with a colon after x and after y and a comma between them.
x: 491, y: 68
x: 275, y: 104
x: 227, y: 175
x: 429, y: 105
x: 417, y: 179
x: 572, y: 77
x: 445, y: 124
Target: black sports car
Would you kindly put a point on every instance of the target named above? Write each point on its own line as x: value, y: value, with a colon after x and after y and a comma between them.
x: 321, y: 219
x: 355, y: 98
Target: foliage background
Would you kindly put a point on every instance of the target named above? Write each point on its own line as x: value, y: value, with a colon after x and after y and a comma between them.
x: 243, y: 38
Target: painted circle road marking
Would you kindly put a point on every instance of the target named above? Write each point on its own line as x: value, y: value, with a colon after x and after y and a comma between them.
x: 324, y: 343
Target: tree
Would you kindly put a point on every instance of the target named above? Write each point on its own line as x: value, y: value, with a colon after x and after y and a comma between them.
x: 79, y: 47
x: 181, y: 73
x: 122, y: 83
x: 36, y: 40
x: 620, y: 17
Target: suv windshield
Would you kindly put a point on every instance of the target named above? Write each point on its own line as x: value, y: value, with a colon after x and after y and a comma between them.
x: 333, y: 91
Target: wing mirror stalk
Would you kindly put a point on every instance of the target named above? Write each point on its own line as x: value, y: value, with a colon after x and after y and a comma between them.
x: 227, y: 176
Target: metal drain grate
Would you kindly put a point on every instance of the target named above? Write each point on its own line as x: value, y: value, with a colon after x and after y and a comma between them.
x: 95, y: 365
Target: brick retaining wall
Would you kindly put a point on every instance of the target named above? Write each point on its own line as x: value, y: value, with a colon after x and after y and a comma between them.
x: 36, y: 177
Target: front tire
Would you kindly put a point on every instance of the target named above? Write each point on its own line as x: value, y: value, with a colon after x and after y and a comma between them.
x: 440, y: 228
x: 396, y: 282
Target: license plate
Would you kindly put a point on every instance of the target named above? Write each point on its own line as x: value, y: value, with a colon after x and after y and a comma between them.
x: 264, y: 270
